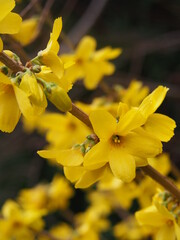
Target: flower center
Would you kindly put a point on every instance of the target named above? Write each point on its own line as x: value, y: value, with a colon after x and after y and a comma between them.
x: 171, y: 204
x: 116, y: 139
x: 169, y: 223
x: 79, y: 61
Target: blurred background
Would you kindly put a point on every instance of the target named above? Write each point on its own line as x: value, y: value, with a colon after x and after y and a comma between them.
x: 148, y: 31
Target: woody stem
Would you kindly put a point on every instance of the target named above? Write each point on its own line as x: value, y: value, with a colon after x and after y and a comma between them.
x: 10, y: 63
x: 162, y: 180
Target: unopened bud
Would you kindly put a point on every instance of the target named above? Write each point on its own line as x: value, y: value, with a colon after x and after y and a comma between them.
x: 59, y: 98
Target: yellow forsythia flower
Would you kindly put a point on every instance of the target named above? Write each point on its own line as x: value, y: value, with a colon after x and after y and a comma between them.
x: 134, y: 94
x: 163, y: 216
x: 121, y: 141
x: 27, y: 32
x: 49, y: 56
x: 130, y: 229
x: 119, y: 145
x: 18, y: 223
x: 9, y: 22
x: 34, y: 91
x: 13, y: 102
x: 47, y: 197
x: 90, y: 65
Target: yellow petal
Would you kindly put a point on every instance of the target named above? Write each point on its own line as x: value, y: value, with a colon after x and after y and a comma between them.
x: 162, y: 209
x: 90, y: 177
x: 177, y: 231
x: 48, y: 76
x: 153, y: 101
x: 53, y: 44
x: 107, y: 53
x: 74, y: 73
x: 131, y: 120
x: 29, y: 85
x: 48, y: 154
x: 9, y: 110
x: 97, y: 156
x: 142, y: 144
x: 93, y: 75
x: 70, y: 157
x: 94, y: 72
x: 150, y: 216
x: 24, y: 103
x: 4, y: 79
x: 59, y: 98
x: 166, y: 232
x: 34, y: 91
x: 73, y: 173
x: 27, y: 32
x: 122, y: 165
x: 86, y: 47
x: 1, y: 45
x: 51, y: 60
x: 11, y: 23
x: 122, y: 110
x: 140, y: 162
x: 104, y: 124
x: 6, y: 7
x: 161, y: 163
x: 160, y: 126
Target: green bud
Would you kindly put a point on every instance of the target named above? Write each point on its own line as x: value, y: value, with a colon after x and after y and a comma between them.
x: 83, y: 149
x: 59, y: 98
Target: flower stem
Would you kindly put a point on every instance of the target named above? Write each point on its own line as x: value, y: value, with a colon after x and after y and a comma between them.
x: 162, y: 180
x: 82, y: 116
x: 10, y: 63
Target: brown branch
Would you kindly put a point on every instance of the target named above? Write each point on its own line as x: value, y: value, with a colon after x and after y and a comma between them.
x: 45, y: 13
x: 68, y: 9
x: 10, y: 63
x: 162, y: 180
x: 85, y: 23
x: 16, y: 47
x: 82, y: 116
x: 28, y: 7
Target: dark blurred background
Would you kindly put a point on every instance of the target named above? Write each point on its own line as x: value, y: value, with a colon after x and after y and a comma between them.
x: 148, y: 31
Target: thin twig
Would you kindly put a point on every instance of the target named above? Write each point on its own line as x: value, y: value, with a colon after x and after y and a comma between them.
x: 162, y: 180
x: 86, y: 22
x: 10, y: 63
x: 82, y: 116
x: 17, y: 47
x: 67, y: 9
x: 28, y: 7
x: 45, y: 13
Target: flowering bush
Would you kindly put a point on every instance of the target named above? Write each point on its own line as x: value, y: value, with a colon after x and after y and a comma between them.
x: 113, y: 146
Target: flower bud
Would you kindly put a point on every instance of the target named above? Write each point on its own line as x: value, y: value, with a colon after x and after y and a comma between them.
x: 59, y: 98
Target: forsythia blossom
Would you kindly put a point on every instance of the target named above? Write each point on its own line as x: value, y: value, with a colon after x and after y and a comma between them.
x: 163, y: 216
x: 9, y: 22
x: 89, y: 64
x: 120, y: 145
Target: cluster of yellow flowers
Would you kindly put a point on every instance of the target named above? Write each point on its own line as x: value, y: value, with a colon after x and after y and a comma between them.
x: 117, y: 136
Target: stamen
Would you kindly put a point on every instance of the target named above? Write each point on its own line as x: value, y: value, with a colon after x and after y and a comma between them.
x: 116, y: 139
